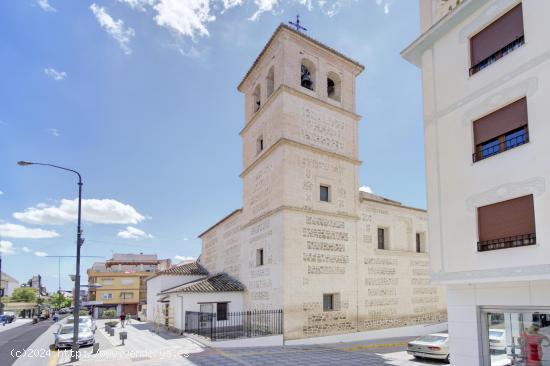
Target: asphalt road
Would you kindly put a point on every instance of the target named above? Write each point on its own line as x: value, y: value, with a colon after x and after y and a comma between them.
x: 18, y: 339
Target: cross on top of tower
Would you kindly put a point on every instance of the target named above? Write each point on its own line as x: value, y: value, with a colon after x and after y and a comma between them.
x: 297, y: 24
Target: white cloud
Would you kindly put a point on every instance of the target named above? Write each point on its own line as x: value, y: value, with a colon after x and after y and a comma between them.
x: 22, y: 232
x: 55, y: 132
x: 185, y: 239
x: 365, y: 189
x: 386, y: 8
x: 115, y: 29
x: 228, y: 4
x: 1, y: 193
x: 6, y: 247
x: 263, y: 6
x: 98, y: 211
x: 185, y: 18
x: 133, y: 233
x: 54, y: 74
x: 46, y: 6
x: 26, y: 249
x: 40, y: 254
x: 183, y: 258
x: 138, y: 4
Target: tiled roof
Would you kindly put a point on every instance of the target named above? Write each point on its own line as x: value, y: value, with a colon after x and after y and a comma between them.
x: 220, y: 282
x: 284, y: 26
x: 189, y: 269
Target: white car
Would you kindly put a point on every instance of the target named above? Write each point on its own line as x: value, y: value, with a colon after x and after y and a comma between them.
x: 435, y: 346
x: 64, y: 336
x: 497, y: 339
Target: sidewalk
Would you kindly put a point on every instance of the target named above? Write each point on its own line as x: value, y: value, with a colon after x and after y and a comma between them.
x: 142, y: 344
x: 17, y: 323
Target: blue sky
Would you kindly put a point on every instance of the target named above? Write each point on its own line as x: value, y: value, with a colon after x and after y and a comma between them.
x: 140, y: 97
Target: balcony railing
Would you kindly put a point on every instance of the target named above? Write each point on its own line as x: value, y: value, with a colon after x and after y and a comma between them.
x: 516, y: 43
x: 497, y: 148
x: 505, y: 243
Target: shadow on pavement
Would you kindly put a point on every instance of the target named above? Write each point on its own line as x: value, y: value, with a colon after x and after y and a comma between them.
x: 165, y: 334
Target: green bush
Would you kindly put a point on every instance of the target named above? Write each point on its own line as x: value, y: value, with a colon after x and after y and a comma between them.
x: 108, y: 314
x: 83, y: 312
x: 111, y: 323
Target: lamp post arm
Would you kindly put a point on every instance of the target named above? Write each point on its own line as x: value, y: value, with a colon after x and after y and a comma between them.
x: 60, y: 167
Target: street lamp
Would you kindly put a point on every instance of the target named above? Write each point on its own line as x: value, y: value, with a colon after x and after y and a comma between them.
x: 79, y: 242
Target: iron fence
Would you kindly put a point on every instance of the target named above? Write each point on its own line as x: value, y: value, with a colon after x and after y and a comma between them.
x: 245, y: 324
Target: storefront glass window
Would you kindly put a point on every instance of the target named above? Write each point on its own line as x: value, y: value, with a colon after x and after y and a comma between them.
x: 517, y: 337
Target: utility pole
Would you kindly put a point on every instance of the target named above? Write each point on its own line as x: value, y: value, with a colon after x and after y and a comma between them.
x: 59, y: 265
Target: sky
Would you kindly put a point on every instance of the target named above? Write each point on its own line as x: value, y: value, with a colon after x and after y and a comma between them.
x: 140, y: 96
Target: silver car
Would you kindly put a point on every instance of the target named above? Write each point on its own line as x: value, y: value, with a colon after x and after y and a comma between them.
x: 64, y: 336
x: 84, y: 320
x: 435, y: 346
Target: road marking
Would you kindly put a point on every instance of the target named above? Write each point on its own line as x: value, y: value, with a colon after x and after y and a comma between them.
x: 54, y: 357
x: 370, y: 346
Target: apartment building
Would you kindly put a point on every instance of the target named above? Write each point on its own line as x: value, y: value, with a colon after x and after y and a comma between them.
x: 119, y: 283
x: 486, y: 85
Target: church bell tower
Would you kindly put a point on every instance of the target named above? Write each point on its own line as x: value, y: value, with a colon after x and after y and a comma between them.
x: 300, y: 176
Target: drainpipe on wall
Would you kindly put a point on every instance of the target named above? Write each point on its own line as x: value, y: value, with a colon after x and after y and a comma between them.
x: 182, y: 320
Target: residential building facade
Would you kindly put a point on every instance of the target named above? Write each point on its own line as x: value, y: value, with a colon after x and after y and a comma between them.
x: 486, y: 76
x: 307, y: 241
x: 119, y: 283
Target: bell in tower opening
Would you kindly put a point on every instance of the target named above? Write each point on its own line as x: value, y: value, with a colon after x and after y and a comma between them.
x: 306, y: 78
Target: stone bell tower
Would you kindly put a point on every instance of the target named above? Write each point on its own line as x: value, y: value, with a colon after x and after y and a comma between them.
x: 300, y: 181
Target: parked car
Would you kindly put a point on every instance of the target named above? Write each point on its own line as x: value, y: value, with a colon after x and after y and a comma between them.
x: 85, y: 320
x: 497, y: 340
x: 435, y: 346
x: 7, y: 318
x: 64, y: 336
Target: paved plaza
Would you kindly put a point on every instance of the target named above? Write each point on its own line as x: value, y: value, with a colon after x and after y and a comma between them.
x: 146, y: 347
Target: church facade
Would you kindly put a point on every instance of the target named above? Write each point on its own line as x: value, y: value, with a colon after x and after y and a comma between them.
x: 335, y: 259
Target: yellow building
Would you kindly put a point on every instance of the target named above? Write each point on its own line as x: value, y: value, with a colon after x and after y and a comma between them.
x: 119, y: 283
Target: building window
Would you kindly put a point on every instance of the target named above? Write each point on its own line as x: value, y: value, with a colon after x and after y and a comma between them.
x: 107, y: 281
x: 382, y: 239
x: 420, y: 242
x: 507, y: 224
x: 108, y: 296
x: 270, y: 81
x: 333, y: 86
x: 497, y: 40
x: 501, y: 130
x: 324, y: 193
x: 221, y: 310
x: 259, y: 257
x: 256, y: 98
x: 126, y: 295
x: 307, y: 75
x: 260, y: 144
x: 517, y: 335
x: 127, y: 281
x: 331, y: 302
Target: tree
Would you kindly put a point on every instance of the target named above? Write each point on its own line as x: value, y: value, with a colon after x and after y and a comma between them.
x: 58, y: 301
x: 24, y: 294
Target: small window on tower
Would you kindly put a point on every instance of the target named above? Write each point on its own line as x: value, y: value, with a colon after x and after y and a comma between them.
x: 260, y: 144
x: 256, y: 97
x: 259, y: 257
x: 324, y: 193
